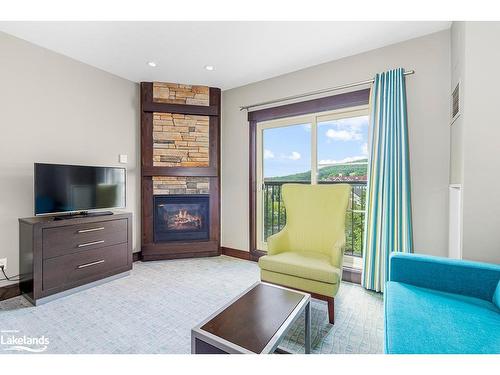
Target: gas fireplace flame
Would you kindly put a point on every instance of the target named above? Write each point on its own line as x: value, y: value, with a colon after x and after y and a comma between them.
x: 184, y: 219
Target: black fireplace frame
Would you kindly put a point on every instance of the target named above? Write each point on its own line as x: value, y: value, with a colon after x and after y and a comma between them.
x: 184, y: 235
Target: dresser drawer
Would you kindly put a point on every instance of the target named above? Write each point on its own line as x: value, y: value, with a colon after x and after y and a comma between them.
x: 83, y: 237
x: 69, y: 270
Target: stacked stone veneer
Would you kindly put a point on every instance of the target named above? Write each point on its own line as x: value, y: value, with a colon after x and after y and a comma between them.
x: 175, y: 93
x: 180, y: 140
x: 180, y: 185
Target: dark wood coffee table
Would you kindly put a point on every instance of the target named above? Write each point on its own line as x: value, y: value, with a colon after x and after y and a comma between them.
x: 254, y: 322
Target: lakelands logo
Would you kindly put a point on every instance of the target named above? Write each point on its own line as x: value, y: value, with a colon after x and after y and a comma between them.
x: 11, y: 340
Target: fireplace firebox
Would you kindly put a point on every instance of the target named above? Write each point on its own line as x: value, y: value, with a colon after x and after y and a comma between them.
x: 181, y: 217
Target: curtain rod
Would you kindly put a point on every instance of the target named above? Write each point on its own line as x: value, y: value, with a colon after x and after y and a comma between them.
x: 345, y: 86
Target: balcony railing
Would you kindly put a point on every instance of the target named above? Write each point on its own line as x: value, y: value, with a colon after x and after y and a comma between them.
x: 275, y: 215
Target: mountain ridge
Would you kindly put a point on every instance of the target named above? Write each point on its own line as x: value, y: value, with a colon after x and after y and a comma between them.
x: 346, y: 169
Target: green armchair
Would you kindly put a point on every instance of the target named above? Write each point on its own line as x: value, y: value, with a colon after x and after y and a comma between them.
x: 307, y: 253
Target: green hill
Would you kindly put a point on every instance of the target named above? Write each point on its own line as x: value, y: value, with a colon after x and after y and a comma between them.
x: 347, y: 169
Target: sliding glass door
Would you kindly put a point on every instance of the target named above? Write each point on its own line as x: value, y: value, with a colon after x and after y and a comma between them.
x: 325, y: 148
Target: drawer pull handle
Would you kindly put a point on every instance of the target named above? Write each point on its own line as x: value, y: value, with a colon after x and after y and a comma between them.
x: 90, y: 230
x: 90, y: 264
x: 90, y: 243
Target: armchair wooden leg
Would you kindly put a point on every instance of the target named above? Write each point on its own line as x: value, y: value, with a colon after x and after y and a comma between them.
x: 331, y: 310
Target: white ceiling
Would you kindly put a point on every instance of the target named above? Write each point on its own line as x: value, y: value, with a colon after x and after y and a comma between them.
x: 242, y: 52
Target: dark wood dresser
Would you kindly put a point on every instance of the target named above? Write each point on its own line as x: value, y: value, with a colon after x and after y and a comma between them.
x: 57, y: 256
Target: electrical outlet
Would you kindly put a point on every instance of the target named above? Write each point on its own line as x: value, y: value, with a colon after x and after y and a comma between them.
x: 3, y: 262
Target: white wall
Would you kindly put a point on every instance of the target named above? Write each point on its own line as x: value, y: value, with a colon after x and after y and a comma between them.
x: 481, y: 141
x: 456, y: 129
x: 428, y: 116
x: 57, y: 110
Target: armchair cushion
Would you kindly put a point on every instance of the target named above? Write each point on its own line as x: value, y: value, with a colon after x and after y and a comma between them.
x: 311, y: 265
x: 299, y: 283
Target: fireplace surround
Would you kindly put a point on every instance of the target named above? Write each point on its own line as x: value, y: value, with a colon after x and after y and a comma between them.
x: 180, y: 155
x: 181, y: 217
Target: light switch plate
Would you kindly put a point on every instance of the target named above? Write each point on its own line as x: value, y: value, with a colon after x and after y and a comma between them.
x: 123, y: 158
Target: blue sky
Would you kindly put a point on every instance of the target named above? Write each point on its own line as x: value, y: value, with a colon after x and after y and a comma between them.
x: 287, y: 150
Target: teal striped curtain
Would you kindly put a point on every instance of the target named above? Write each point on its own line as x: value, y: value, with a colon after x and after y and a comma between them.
x: 388, y: 224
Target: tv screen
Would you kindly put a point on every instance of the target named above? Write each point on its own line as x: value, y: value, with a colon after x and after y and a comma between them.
x: 68, y: 188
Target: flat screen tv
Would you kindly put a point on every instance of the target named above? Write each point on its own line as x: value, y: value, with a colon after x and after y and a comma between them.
x: 63, y: 188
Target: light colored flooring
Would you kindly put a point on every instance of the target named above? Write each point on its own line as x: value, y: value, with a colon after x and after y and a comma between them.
x: 153, y: 310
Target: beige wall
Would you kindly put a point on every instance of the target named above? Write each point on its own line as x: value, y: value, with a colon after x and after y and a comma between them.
x: 481, y: 140
x: 57, y: 110
x: 428, y: 116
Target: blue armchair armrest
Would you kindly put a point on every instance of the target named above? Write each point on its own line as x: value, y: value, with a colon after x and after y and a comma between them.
x: 463, y: 277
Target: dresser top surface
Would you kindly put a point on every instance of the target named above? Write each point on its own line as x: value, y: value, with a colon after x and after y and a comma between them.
x: 49, y: 220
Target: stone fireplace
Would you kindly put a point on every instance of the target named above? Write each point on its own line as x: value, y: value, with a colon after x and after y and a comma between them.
x: 181, y: 217
x: 180, y: 155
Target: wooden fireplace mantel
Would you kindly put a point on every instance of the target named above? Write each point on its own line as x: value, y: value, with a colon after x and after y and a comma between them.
x: 151, y: 250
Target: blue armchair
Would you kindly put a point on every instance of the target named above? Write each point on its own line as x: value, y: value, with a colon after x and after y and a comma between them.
x: 441, y: 305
